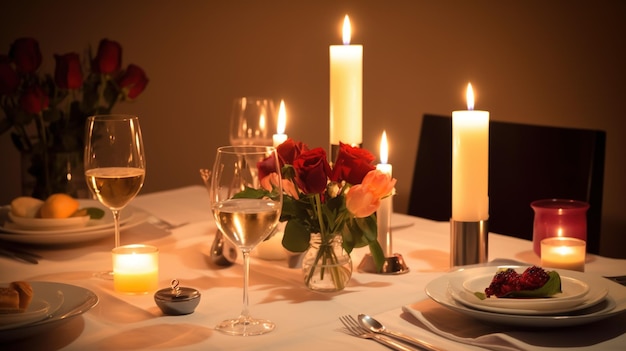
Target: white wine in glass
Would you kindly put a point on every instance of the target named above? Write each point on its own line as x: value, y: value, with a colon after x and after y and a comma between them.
x: 115, y: 164
x: 243, y: 220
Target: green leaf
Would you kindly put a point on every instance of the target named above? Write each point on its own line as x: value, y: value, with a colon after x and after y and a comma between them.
x: 95, y: 213
x: 377, y: 255
x: 297, y: 236
x: 249, y: 193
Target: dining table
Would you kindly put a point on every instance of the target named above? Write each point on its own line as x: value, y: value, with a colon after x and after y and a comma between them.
x: 179, y: 222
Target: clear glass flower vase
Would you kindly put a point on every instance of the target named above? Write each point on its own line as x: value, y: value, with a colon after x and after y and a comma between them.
x: 326, y: 266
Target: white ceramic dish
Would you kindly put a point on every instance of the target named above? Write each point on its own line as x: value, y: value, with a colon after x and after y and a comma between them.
x: 573, y: 293
x: 130, y: 217
x: 44, y: 304
x: 46, y: 224
x: 74, y: 301
x: 615, y: 301
x: 594, y: 297
x: 37, y: 310
x: 93, y: 224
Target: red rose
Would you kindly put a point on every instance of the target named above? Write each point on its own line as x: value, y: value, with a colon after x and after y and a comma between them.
x: 24, y: 52
x: 352, y: 164
x: 133, y: 81
x: 34, y: 100
x: 267, y: 166
x: 68, y: 73
x: 289, y: 150
x: 9, y: 80
x: 312, y: 170
x: 109, y: 57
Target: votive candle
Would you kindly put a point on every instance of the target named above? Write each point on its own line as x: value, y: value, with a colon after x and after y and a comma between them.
x: 564, y: 253
x: 135, y: 269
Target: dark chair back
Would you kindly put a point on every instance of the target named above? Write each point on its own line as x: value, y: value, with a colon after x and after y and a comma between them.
x: 526, y: 163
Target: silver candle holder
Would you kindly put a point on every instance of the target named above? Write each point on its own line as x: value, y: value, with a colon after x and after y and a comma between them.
x: 394, y: 262
x: 468, y: 242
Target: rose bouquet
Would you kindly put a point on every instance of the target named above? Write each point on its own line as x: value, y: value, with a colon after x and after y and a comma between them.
x: 46, y: 113
x: 338, y: 200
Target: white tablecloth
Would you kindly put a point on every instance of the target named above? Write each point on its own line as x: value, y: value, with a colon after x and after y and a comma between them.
x: 305, y: 320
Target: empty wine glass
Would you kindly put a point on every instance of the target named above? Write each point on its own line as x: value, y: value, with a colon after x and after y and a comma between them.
x: 115, y: 165
x: 252, y: 121
x: 244, y: 219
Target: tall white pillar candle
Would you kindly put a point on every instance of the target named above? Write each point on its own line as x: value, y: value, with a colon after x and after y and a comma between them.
x: 346, y: 91
x: 383, y: 214
x: 470, y: 163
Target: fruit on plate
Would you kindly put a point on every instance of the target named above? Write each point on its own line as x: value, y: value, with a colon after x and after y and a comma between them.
x: 533, y: 282
x: 16, y: 297
x: 55, y: 206
x: 58, y: 206
x: 26, y: 206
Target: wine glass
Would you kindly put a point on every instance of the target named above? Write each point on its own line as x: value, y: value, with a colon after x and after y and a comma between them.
x: 115, y: 165
x: 252, y: 121
x: 244, y: 220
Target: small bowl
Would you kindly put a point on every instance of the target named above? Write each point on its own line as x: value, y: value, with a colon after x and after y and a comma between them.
x: 177, y: 301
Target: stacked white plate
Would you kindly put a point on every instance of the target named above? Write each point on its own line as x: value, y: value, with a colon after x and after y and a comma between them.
x: 68, y: 230
x: 585, y: 298
x: 52, y: 304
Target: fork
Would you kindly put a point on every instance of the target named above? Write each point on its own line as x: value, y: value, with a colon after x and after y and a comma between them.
x: 353, y: 328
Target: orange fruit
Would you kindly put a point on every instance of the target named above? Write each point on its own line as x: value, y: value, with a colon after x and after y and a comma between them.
x: 58, y: 206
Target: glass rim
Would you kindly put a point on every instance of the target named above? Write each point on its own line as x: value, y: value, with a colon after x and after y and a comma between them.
x: 134, y: 248
x: 557, y: 203
x: 113, y: 117
x: 248, y: 149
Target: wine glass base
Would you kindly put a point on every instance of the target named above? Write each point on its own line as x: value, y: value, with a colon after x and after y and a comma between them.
x: 245, y: 326
x: 104, y: 275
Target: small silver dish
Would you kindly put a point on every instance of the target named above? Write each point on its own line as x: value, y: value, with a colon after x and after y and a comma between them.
x: 177, y: 300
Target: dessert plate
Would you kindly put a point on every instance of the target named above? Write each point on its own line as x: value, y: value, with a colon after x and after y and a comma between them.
x: 66, y: 302
x: 573, y: 293
x: 613, y: 303
x: 49, y: 223
x: 130, y: 217
x: 37, y: 310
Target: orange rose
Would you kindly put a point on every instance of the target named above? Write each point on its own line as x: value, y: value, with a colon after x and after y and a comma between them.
x: 364, y: 199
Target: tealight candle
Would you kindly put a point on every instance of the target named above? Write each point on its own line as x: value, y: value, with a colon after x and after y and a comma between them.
x: 135, y: 269
x: 346, y: 90
x: 383, y: 215
x: 281, y: 124
x: 564, y: 253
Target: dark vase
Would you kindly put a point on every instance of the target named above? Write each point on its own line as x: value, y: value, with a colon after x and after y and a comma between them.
x: 53, y: 172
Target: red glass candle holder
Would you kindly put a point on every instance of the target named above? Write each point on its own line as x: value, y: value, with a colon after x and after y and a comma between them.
x: 558, y: 218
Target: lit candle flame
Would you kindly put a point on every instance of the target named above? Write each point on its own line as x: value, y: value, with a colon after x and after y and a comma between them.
x: 384, y: 148
x: 346, y: 30
x: 282, y: 118
x: 470, y: 97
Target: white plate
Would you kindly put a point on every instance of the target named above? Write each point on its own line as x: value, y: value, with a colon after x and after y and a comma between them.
x: 573, y: 293
x: 131, y: 217
x: 37, y: 310
x: 47, y: 224
x: 93, y: 224
x: 615, y: 301
x: 72, y: 301
x: 594, y: 297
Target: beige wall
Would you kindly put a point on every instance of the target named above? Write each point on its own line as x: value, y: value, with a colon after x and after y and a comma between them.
x: 557, y: 63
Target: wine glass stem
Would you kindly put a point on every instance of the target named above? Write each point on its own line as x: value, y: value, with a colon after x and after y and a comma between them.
x: 116, y: 221
x: 245, y: 311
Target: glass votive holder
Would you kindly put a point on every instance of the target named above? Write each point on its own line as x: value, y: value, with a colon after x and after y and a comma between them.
x: 135, y: 269
x: 558, y: 217
x: 564, y: 253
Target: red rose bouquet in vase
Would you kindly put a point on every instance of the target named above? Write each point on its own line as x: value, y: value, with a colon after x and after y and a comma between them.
x: 46, y: 113
x: 329, y: 210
